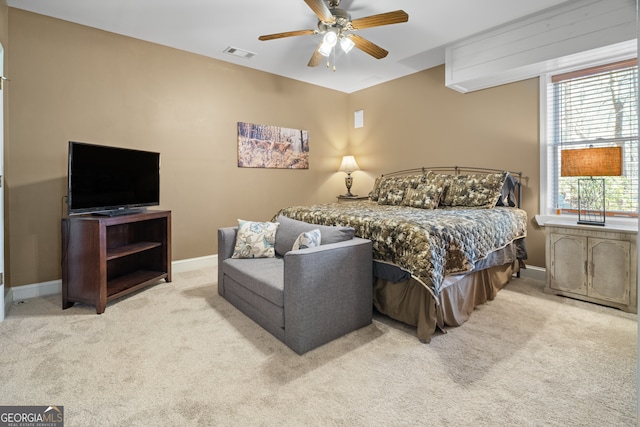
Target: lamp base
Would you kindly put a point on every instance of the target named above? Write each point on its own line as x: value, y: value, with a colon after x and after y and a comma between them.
x: 591, y: 223
x: 348, y: 182
x: 591, y: 201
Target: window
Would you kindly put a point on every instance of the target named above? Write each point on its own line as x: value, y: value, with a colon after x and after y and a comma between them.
x: 595, y: 107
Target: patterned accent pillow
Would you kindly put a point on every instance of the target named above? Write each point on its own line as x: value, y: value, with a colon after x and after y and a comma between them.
x: 375, y: 193
x: 441, y: 181
x: 308, y: 239
x: 474, y: 190
x: 393, y: 189
x: 425, y: 196
x: 411, y: 181
x: 391, y: 192
x: 255, y: 239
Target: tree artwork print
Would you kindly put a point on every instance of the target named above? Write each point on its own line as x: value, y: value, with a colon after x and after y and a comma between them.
x: 262, y: 146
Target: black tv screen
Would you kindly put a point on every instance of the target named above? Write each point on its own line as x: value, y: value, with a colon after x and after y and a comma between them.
x: 105, y: 179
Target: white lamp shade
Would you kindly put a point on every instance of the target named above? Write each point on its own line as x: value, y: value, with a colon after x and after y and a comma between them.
x: 347, y: 44
x: 348, y: 164
x: 325, y: 49
x: 328, y: 42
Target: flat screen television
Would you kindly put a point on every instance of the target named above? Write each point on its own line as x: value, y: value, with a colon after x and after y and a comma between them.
x: 110, y: 180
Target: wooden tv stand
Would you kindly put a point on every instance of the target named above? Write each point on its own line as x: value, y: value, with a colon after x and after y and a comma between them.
x: 104, y: 258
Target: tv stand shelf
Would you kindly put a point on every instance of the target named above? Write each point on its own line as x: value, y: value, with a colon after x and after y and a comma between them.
x: 132, y: 282
x: 114, y: 253
x: 105, y: 258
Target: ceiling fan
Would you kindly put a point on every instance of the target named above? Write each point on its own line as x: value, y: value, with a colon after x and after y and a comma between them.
x: 337, y: 26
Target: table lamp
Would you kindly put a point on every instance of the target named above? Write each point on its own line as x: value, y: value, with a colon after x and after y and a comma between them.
x: 349, y: 165
x: 590, y: 162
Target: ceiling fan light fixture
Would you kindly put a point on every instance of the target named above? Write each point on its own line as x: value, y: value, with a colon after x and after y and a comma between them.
x: 328, y: 42
x: 325, y: 49
x: 335, y: 24
x: 346, y: 44
x: 330, y: 39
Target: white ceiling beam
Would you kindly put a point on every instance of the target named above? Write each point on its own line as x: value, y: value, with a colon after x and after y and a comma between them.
x: 568, y: 36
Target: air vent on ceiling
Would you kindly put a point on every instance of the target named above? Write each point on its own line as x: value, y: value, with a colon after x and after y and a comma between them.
x: 240, y: 53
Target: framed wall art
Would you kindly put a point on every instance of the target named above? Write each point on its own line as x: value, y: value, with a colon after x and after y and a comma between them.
x: 263, y: 146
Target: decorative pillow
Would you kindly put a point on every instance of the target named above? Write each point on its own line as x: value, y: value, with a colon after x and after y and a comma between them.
x: 375, y: 193
x: 255, y: 239
x: 508, y: 192
x: 308, y: 239
x: 410, y: 181
x: 425, y: 196
x: 393, y: 189
x: 390, y: 194
x: 441, y: 181
x: 290, y: 229
x: 474, y: 190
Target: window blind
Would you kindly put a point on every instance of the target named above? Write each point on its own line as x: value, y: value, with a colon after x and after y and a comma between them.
x: 596, y: 107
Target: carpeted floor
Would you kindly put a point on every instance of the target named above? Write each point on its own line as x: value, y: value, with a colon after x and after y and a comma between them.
x: 177, y: 354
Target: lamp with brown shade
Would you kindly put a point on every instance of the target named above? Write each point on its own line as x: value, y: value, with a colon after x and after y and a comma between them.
x: 590, y: 162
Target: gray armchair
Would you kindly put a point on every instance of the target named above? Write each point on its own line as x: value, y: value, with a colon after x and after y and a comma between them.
x: 305, y: 298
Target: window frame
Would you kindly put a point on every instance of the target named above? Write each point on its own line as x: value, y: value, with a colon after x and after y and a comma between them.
x: 548, y: 213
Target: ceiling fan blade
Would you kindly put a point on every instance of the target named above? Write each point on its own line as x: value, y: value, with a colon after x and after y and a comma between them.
x: 316, y: 58
x: 368, y: 47
x: 287, y: 34
x: 395, y: 17
x: 321, y: 10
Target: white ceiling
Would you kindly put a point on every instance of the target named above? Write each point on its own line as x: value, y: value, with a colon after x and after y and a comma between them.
x: 208, y: 27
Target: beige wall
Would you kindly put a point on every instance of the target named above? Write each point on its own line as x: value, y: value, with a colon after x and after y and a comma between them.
x: 416, y: 121
x: 71, y: 82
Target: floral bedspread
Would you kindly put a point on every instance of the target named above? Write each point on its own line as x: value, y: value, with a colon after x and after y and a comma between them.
x: 430, y: 243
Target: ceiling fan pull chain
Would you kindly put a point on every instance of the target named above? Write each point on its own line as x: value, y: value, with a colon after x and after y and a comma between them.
x: 334, y: 59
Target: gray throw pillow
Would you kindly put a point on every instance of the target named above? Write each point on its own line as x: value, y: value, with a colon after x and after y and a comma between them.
x: 290, y: 229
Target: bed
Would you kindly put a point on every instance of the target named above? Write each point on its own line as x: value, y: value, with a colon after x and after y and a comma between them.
x: 445, y: 240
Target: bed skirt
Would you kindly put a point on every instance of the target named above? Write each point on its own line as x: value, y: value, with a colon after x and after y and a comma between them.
x: 410, y: 302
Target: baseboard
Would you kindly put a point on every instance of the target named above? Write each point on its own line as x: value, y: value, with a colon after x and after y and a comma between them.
x: 34, y: 290
x: 194, y: 263
x: 533, y: 272
x: 54, y: 287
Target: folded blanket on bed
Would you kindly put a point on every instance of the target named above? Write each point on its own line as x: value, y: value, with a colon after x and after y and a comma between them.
x: 429, y: 243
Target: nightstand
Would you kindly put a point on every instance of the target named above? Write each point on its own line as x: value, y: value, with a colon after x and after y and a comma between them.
x: 345, y: 199
x: 595, y: 264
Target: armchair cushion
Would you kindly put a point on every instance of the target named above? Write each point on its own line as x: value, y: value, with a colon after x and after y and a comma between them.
x: 268, y: 284
x: 289, y: 230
